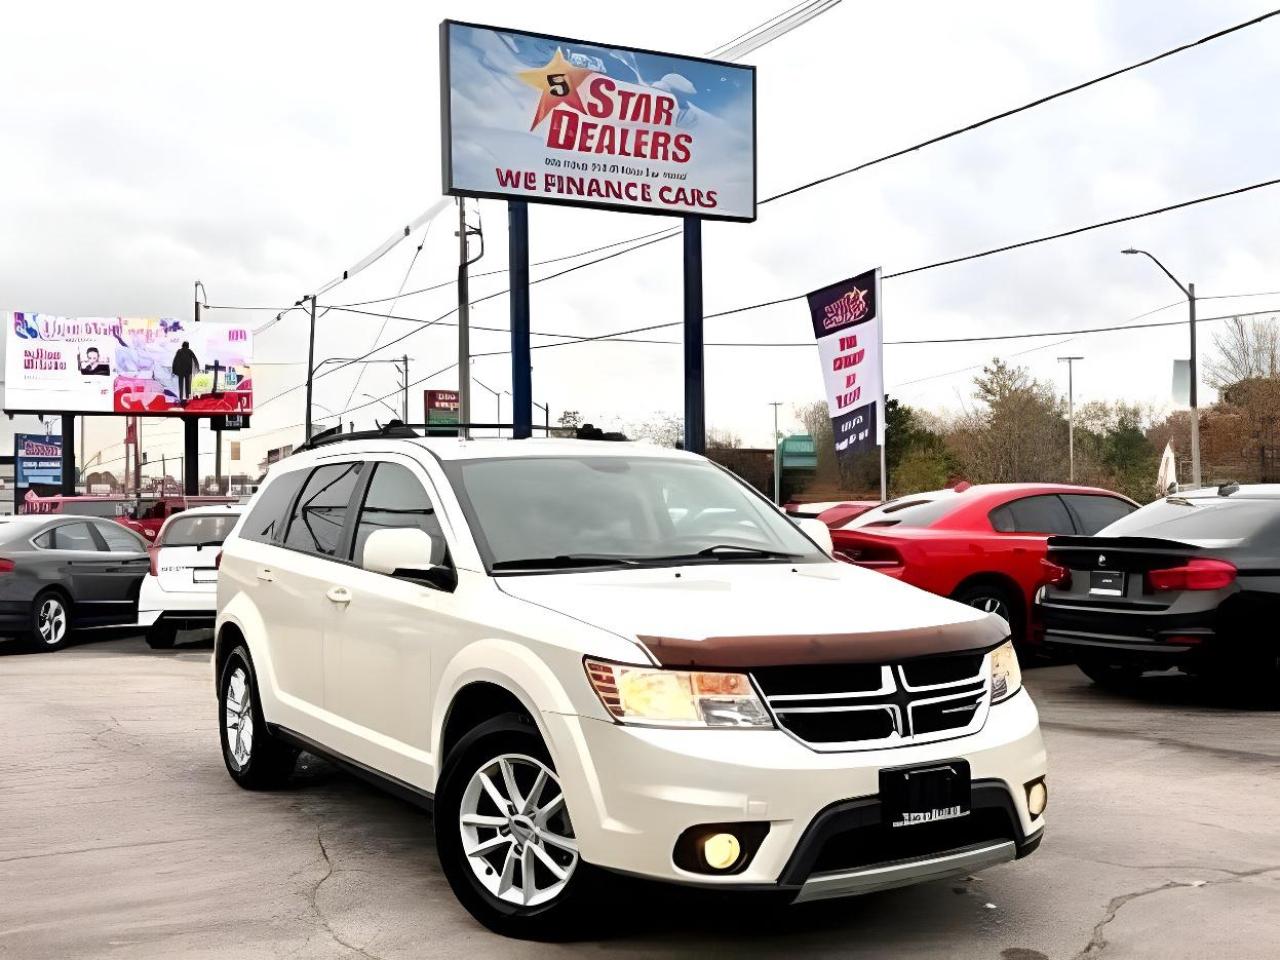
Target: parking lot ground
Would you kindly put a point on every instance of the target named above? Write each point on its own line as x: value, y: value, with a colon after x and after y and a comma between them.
x: 122, y: 836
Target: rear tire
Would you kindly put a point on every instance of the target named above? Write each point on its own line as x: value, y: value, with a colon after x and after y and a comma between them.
x: 255, y: 758
x: 485, y: 858
x: 161, y: 635
x: 993, y: 598
x: 1122, y: 678
x: 50, y: 621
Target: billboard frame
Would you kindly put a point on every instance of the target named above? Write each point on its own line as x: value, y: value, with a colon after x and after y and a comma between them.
x: 446, y: 129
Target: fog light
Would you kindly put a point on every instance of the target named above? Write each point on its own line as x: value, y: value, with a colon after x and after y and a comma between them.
x: 721, y: 851
x: 1037, y: 797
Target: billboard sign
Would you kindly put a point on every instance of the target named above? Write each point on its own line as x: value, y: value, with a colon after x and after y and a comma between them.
x: 440, y: 406
x: 135, y: 365
x: 37, y: 469
x: 536, y: 117
x: 846, y: 322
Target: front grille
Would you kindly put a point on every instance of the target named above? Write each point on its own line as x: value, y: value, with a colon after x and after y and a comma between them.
x: 863, y: 707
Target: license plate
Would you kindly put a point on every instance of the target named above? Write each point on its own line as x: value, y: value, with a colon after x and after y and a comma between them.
x: 912, y: 796
x: 204, y: 575
x: 1106, y: 583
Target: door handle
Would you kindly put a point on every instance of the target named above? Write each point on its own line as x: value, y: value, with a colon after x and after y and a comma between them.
x: 265, y: 575
x: 339, y: 594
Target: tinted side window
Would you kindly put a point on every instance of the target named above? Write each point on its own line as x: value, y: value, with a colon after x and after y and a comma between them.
x: 119, y: 540
x: 1041, y: 514
x: 44, y: 541
x: 269, y: 514
x: 1094, y: 512
x: 74, y: 536
x: 396, y: 499
x: 316, y: 525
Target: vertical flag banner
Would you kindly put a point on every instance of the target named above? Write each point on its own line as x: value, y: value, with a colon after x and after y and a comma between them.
x: 846, y: 322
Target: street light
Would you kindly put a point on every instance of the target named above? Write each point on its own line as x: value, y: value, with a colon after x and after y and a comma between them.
x: 1189, y: 291
x: 497, y: 395
x: 1071, y: 417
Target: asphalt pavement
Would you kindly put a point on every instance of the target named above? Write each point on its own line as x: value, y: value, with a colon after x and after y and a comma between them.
x: 121, y: 836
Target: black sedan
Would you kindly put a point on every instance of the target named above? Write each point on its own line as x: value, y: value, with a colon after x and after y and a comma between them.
x: 1191, y: 581
x: 60, y: 573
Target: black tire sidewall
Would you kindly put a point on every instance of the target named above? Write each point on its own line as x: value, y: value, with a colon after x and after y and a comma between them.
x: 566, y: 917
x: 269, y: 762
x: 35, y: 639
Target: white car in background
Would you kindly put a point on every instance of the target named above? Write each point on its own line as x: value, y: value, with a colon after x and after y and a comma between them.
x: 180, y: 591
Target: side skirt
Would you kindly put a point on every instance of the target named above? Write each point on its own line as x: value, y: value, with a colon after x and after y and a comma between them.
x: 420, y: 798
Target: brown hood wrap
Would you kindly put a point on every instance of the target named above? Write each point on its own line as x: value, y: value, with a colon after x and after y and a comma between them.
x: 738, y: 653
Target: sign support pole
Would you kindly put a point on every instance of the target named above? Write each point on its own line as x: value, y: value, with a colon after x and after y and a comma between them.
x: 311, y: 367
x: 464, y: 325
x: 191, y: 455
x: 68, y: 455
x: 521, y: 362
x: 217, y: 459
x: 695, y: 427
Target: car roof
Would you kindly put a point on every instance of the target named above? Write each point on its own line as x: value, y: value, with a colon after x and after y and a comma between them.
x: 1233, y: 491
x: 484, y: 448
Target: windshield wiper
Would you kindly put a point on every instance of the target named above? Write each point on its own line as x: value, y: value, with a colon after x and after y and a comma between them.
x: 563, y: 561
x: 730, y: 551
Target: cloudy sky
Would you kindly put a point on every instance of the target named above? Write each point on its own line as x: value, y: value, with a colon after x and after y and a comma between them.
x: 262, y: 148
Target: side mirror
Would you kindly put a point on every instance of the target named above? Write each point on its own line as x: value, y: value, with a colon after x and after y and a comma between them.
x: 404, y: 549
x: 817, y: 531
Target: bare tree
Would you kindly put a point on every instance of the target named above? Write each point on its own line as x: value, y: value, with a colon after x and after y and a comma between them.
x: 719, y: 438
x: 1245, y: 350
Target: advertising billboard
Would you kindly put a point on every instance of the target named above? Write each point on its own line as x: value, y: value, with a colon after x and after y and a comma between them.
x: 563, y: 121
x: 37, y: 469
x: 136, y: 365
x: 847, y: 324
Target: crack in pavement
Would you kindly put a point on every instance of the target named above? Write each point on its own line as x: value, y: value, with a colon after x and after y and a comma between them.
x: 112, y: 846
x: 313, y: 898
x: 1098, y: 942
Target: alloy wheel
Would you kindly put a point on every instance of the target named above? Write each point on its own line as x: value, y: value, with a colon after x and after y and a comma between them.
x: 992, y: 605
x: 52, y: 621
x: 239, y: 718
x: 516, y: 833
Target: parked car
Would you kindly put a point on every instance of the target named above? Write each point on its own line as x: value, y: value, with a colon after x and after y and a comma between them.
x: 981, y: 545
x: 143, y: 516
x: 595, y: 657
x: 831, y: 512
x: 875, y: 513
x: 1191, y: 581
x: 179, y: 591
x: 58, y: 574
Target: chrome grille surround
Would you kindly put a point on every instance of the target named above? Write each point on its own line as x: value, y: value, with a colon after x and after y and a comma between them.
x: 962, y: 709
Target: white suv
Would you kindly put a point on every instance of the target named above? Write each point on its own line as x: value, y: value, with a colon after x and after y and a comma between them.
x: 594, y: 657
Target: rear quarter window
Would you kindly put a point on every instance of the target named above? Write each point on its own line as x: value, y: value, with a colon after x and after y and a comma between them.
x: 269, y: 511
x: 1095, y: 511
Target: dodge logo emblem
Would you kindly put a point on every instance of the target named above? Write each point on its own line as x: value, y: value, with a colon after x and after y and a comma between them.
x: 1102, y: 558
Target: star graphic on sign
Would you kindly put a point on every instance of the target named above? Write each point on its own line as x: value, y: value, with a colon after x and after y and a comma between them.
x: 559, y: 81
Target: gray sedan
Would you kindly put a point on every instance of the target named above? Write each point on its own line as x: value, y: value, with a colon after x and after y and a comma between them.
x: 59, y: 573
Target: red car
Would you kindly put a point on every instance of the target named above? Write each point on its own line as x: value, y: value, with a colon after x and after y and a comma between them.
x: 145, y: 516
x: 983, y: 545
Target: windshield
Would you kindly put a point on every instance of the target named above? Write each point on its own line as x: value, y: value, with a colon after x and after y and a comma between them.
x: 193, y: 531
x: 1200, y: 518
x: 554, y: 512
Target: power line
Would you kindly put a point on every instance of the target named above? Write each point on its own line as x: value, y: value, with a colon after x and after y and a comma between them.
x: 931, y: 141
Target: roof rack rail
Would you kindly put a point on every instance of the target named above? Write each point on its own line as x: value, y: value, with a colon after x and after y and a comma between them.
x: 391, y: 429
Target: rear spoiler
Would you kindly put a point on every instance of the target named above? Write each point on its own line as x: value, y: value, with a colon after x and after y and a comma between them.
x: 1118, y: 543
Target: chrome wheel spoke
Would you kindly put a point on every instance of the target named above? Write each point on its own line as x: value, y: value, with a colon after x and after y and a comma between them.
x: 500, y: 822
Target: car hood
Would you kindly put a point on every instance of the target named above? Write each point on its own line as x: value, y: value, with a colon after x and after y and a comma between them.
x: 759, y: 614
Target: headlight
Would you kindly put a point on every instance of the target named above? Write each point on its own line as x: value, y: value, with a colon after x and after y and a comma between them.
x: 1006, y: 675
x: 676, y: 698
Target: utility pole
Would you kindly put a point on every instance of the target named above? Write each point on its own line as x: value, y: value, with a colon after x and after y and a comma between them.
x: 464, y: 328
x: 311, y: 362
x: 1071, y: 417
x: 1189, y: 291
x: 777, y: 456
x: 405, y: 361
x: 199, y: 289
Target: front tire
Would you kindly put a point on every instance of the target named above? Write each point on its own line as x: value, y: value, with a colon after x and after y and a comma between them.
x: 255, y: 758
x: 50, y: 621
x: 504, y: 837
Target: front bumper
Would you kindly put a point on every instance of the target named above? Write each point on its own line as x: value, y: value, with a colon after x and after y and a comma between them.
x: 633, y: 791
